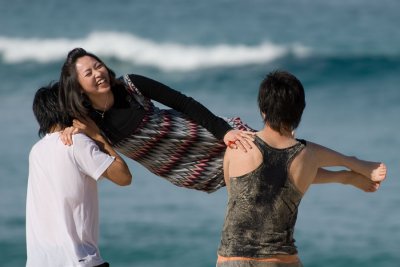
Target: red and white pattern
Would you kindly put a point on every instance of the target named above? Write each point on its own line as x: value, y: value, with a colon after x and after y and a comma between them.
x: 176, y: 148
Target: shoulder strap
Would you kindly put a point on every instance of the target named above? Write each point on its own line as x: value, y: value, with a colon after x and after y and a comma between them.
x: 260, y: 145
x: 291, y: 152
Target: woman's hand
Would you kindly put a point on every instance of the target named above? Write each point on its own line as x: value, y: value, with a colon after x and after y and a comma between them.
x: 66, y: 135
x: 239, y: 139
x: 86, y: 126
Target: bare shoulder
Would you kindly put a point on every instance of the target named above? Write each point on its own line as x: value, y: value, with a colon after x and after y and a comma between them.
x: 312, y: 148
x: 303, y: 168
x: 308, y: 153
x: 241, y: 162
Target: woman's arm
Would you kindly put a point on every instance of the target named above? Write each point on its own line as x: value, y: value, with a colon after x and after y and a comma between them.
x: 182, y: 103
x: 194, y: 110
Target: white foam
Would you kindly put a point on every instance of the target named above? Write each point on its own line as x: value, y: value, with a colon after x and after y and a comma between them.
x: 140, y: 51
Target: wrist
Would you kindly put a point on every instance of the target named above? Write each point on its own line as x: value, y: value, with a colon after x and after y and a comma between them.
x: 98, y: 137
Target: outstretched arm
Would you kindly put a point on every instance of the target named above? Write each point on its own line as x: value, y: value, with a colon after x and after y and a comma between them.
x: 194, y: 110
x: 306, y: 169
x: 375, y: 171
x: 346, y: 177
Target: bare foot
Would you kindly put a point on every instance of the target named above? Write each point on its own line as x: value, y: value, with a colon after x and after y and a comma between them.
x: 361, y: 182
x: 375, y: 171
x: 379, y: 174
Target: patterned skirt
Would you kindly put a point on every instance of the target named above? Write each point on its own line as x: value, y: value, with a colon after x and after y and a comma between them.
x: 176, y: 148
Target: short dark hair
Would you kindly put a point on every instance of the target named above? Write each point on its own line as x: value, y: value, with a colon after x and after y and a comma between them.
x: 71, y: 97
x: 281, y: 100
x: 47, y: 110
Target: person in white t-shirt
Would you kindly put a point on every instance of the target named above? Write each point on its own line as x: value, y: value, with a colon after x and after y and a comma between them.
x: 62, y: 214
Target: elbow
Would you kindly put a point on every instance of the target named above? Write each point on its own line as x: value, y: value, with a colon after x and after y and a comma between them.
x: 127, y: 180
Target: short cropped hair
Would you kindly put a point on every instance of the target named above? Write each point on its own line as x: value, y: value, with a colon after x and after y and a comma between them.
x: 47, y: 109
x: 281, y: 101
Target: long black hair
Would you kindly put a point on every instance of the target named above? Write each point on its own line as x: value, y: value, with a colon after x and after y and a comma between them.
x: 71, y: 97
x: 48, y: 111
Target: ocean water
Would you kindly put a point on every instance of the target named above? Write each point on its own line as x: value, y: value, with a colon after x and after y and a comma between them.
x: 346, y: 53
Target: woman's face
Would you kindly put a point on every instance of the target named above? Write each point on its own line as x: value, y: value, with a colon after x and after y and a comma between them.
x: 92, y: 76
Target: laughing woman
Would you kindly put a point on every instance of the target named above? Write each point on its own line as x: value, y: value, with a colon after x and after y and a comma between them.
x: 184, y: 144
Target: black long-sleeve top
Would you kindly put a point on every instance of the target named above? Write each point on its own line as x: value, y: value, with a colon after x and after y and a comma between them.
x: 126, y: 114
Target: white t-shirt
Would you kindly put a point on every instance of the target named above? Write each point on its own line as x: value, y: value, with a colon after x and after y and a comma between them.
x: 62, y: 204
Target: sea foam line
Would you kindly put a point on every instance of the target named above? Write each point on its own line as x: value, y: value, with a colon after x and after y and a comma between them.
x: 130, y: 48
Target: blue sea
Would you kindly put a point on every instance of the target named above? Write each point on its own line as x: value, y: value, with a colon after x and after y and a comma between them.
x: 346, y: 53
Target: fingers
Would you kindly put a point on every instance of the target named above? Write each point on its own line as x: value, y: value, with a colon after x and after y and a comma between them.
x: 236, y: 144
x: 232, y: 144
x: 248, y: 133
x: 246, y: 140
x: 239, y: 139
x: 66, y: 135
x: 243, y: 146
x: 63, y: 138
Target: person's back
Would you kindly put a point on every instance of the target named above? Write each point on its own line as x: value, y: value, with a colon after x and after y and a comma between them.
x: 262, y: 207
x: 62, y: 203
